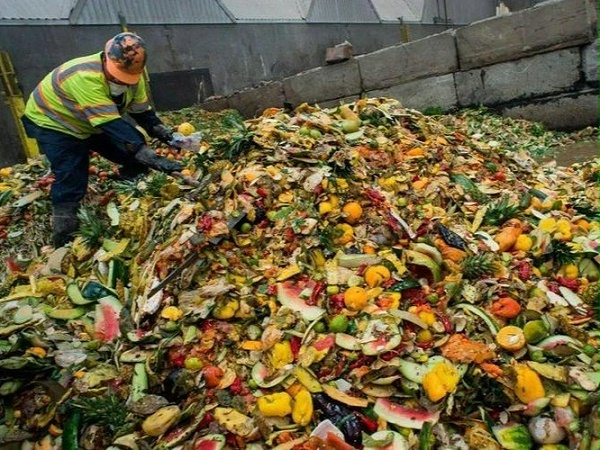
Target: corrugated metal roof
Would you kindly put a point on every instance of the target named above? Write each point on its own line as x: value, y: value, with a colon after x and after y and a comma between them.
x: 142, y: 12
x: 345, y: 11
x: 36, y: 9
x: 391, y: 10
x: 457, y: 12
x: 268, y: 10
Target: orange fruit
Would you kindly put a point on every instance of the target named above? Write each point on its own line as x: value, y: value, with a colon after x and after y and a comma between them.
x: 186, y: 128
x: 355, y: 298
x: 353, y: 212
x: 376, y: 275
x: 511, y: 338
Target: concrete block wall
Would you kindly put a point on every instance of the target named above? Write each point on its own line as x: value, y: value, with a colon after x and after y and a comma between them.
x: 538, y: 64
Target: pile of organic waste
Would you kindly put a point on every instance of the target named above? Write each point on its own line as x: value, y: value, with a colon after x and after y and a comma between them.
x: 363, y: 276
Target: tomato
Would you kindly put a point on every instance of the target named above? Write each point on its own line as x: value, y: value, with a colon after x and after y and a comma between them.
x: 212, y: 376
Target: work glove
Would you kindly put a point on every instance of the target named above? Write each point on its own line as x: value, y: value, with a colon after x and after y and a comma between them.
x: 147, y: 156
x: 163, y: 133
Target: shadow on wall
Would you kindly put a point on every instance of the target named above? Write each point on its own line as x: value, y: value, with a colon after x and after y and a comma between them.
x: 176, y: 90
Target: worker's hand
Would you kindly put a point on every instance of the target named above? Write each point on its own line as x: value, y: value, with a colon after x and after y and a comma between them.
x: 148, y: 157
x: 163, y: 133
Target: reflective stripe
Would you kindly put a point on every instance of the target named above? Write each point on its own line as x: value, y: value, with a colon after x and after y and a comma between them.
x: 138, y: 107
x: 86, y: 113
x: 75, y: 98
x: 38, y: 97
x: 92, y: 66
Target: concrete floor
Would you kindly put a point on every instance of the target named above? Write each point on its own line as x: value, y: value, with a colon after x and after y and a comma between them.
x: 573, y: 153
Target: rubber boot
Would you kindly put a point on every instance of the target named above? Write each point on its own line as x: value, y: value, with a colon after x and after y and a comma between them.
x: 64, y: 222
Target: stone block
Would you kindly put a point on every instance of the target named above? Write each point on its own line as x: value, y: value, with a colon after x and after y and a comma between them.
x: 424, y: 93
x: 433, y: 55
x: 547, y: 73
x: 252, y: 102
x: 590, y: 63
x: 547, y: 26
x: 323, y: 83
x: 215, y: 104
x: 572, y: 111
x: 339, y: 53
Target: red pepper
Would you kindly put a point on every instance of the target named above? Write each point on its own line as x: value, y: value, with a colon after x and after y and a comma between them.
x: 375, y: 197
x: 446, y: 322
x: 295, y: 344
x: 363, y: 361
x: 369, y: 424
x: 262, y: 192
x: 314, y: 296
x: 387, y: 356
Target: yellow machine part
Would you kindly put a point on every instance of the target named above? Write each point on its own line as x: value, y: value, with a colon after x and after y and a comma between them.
x: 14, y: 100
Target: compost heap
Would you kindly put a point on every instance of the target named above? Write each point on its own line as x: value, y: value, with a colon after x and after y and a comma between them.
x: 365, y: 277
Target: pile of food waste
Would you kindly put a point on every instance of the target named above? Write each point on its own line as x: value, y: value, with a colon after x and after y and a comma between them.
x: 356, y: 277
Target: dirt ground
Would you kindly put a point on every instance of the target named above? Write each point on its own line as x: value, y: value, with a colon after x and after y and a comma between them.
x: 579, y: 152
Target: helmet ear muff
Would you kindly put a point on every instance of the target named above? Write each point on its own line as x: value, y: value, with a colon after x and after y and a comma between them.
x: 125, y: 57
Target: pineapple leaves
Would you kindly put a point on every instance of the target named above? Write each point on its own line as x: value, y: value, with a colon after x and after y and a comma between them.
x: 91, y: 229
x: 499, y: 212
x: 477, y: 266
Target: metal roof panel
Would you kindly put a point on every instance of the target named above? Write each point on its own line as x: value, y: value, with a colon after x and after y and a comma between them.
x: 270, y: 10
x: 143, y: 12
x: 391, y: 10
x: 36, y: 9
x: 342, y: 11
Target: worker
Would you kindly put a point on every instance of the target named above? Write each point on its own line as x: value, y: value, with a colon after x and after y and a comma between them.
x: 82, y: 106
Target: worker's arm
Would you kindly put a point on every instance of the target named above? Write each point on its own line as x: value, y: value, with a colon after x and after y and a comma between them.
x: 150, y: 122
x: 140, y: 110
x: 130, y: 140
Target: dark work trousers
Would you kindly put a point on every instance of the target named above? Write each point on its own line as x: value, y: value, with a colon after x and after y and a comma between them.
x: 70, y: 158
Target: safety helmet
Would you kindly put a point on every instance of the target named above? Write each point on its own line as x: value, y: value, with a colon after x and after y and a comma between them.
x: 125, y: 57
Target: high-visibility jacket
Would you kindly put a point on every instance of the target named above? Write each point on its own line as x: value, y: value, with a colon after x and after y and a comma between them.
x: 75, y: 98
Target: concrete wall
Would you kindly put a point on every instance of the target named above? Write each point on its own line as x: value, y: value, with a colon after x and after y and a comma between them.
x: 539, y: 64
x: 235, y: 56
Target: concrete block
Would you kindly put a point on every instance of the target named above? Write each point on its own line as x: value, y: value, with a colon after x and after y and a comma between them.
x: 547, y: 73
x: 590, y: 63
x: 339, y: 53
x: 338, y: 101
x: 323, y: 84
x: 252, y: 102
x: 547, y: 26
x: 433, y: 55
x: 565, y: 112
x: 215, y: 104
x: 421, y: 94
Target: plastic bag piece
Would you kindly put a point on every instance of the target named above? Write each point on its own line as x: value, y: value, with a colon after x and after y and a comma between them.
x: 190, y: 142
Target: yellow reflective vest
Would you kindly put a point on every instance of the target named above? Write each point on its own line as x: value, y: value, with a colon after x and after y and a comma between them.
x: 75, y: 98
